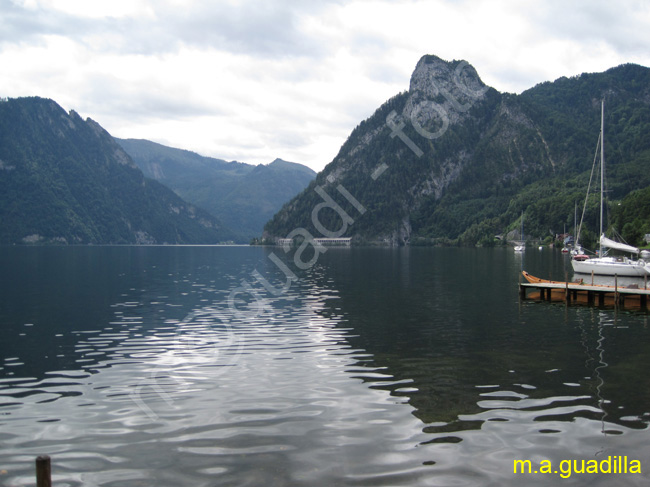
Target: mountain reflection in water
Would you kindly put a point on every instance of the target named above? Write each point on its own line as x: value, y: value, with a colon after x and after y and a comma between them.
x: 374, y: 367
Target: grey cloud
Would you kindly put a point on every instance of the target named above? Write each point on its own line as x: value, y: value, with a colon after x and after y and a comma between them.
x: 615, y: 23
x: 18, y: 25
x: 267, y: 29
x: 254, y: 27
x: 113, y: 97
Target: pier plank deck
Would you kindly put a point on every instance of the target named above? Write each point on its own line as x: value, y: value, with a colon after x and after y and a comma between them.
x: 581, y: 293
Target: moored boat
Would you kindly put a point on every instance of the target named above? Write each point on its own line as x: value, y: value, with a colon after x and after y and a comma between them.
x: 577, y: 282
x: 610, y: 266
x: 603, y: 265
x: 521, y: 246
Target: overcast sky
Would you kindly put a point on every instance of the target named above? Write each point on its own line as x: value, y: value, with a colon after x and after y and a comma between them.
x: 252, y: 80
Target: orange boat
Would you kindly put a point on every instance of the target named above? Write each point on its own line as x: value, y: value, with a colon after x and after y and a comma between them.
x: 538, y: 280
x: 574, y: 284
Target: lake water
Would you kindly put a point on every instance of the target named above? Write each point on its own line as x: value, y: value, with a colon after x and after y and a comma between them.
x: 207, y: 366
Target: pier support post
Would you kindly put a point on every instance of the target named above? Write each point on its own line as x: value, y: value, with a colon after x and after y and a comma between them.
x: 43, y: 471
x: 567, y: 293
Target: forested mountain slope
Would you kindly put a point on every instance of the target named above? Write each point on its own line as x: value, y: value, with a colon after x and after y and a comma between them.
x: 452, y: 160
x: 65, y: 180
x: 241, y: 195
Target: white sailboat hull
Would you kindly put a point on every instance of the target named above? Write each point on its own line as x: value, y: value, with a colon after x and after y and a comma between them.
x: 610, y: 266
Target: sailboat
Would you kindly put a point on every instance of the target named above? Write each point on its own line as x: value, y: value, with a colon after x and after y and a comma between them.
x: 601, y: 265
x: 520, y: 247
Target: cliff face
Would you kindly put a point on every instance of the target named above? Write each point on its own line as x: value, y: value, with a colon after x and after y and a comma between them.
x: 454, y: 160
x: 442, y: 91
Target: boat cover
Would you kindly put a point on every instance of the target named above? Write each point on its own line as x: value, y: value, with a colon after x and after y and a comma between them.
x: 611, y: 244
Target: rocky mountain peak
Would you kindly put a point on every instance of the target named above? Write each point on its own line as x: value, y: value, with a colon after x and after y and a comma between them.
x: 434, y: 76
x: 440, y: 91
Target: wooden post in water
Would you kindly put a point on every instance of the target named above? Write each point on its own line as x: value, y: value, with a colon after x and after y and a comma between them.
x: 43, y: 471
x: 567, y: 294
x: 616, y: 290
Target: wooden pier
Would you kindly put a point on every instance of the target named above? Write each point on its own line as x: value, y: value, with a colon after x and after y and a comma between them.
x: 633, y: 297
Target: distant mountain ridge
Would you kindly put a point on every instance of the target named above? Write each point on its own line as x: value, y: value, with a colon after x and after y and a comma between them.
x: 243, y: 196
x: 65, y: 180
x: 452, y: 160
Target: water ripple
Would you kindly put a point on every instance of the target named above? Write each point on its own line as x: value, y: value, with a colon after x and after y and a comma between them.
x: 326, y: 385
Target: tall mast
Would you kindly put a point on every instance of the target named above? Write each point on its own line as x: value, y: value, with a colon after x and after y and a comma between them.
x: 602, y: 169
x: 575, y: 223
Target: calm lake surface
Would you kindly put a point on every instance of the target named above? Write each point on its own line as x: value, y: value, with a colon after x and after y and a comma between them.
x: 207, y: 366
